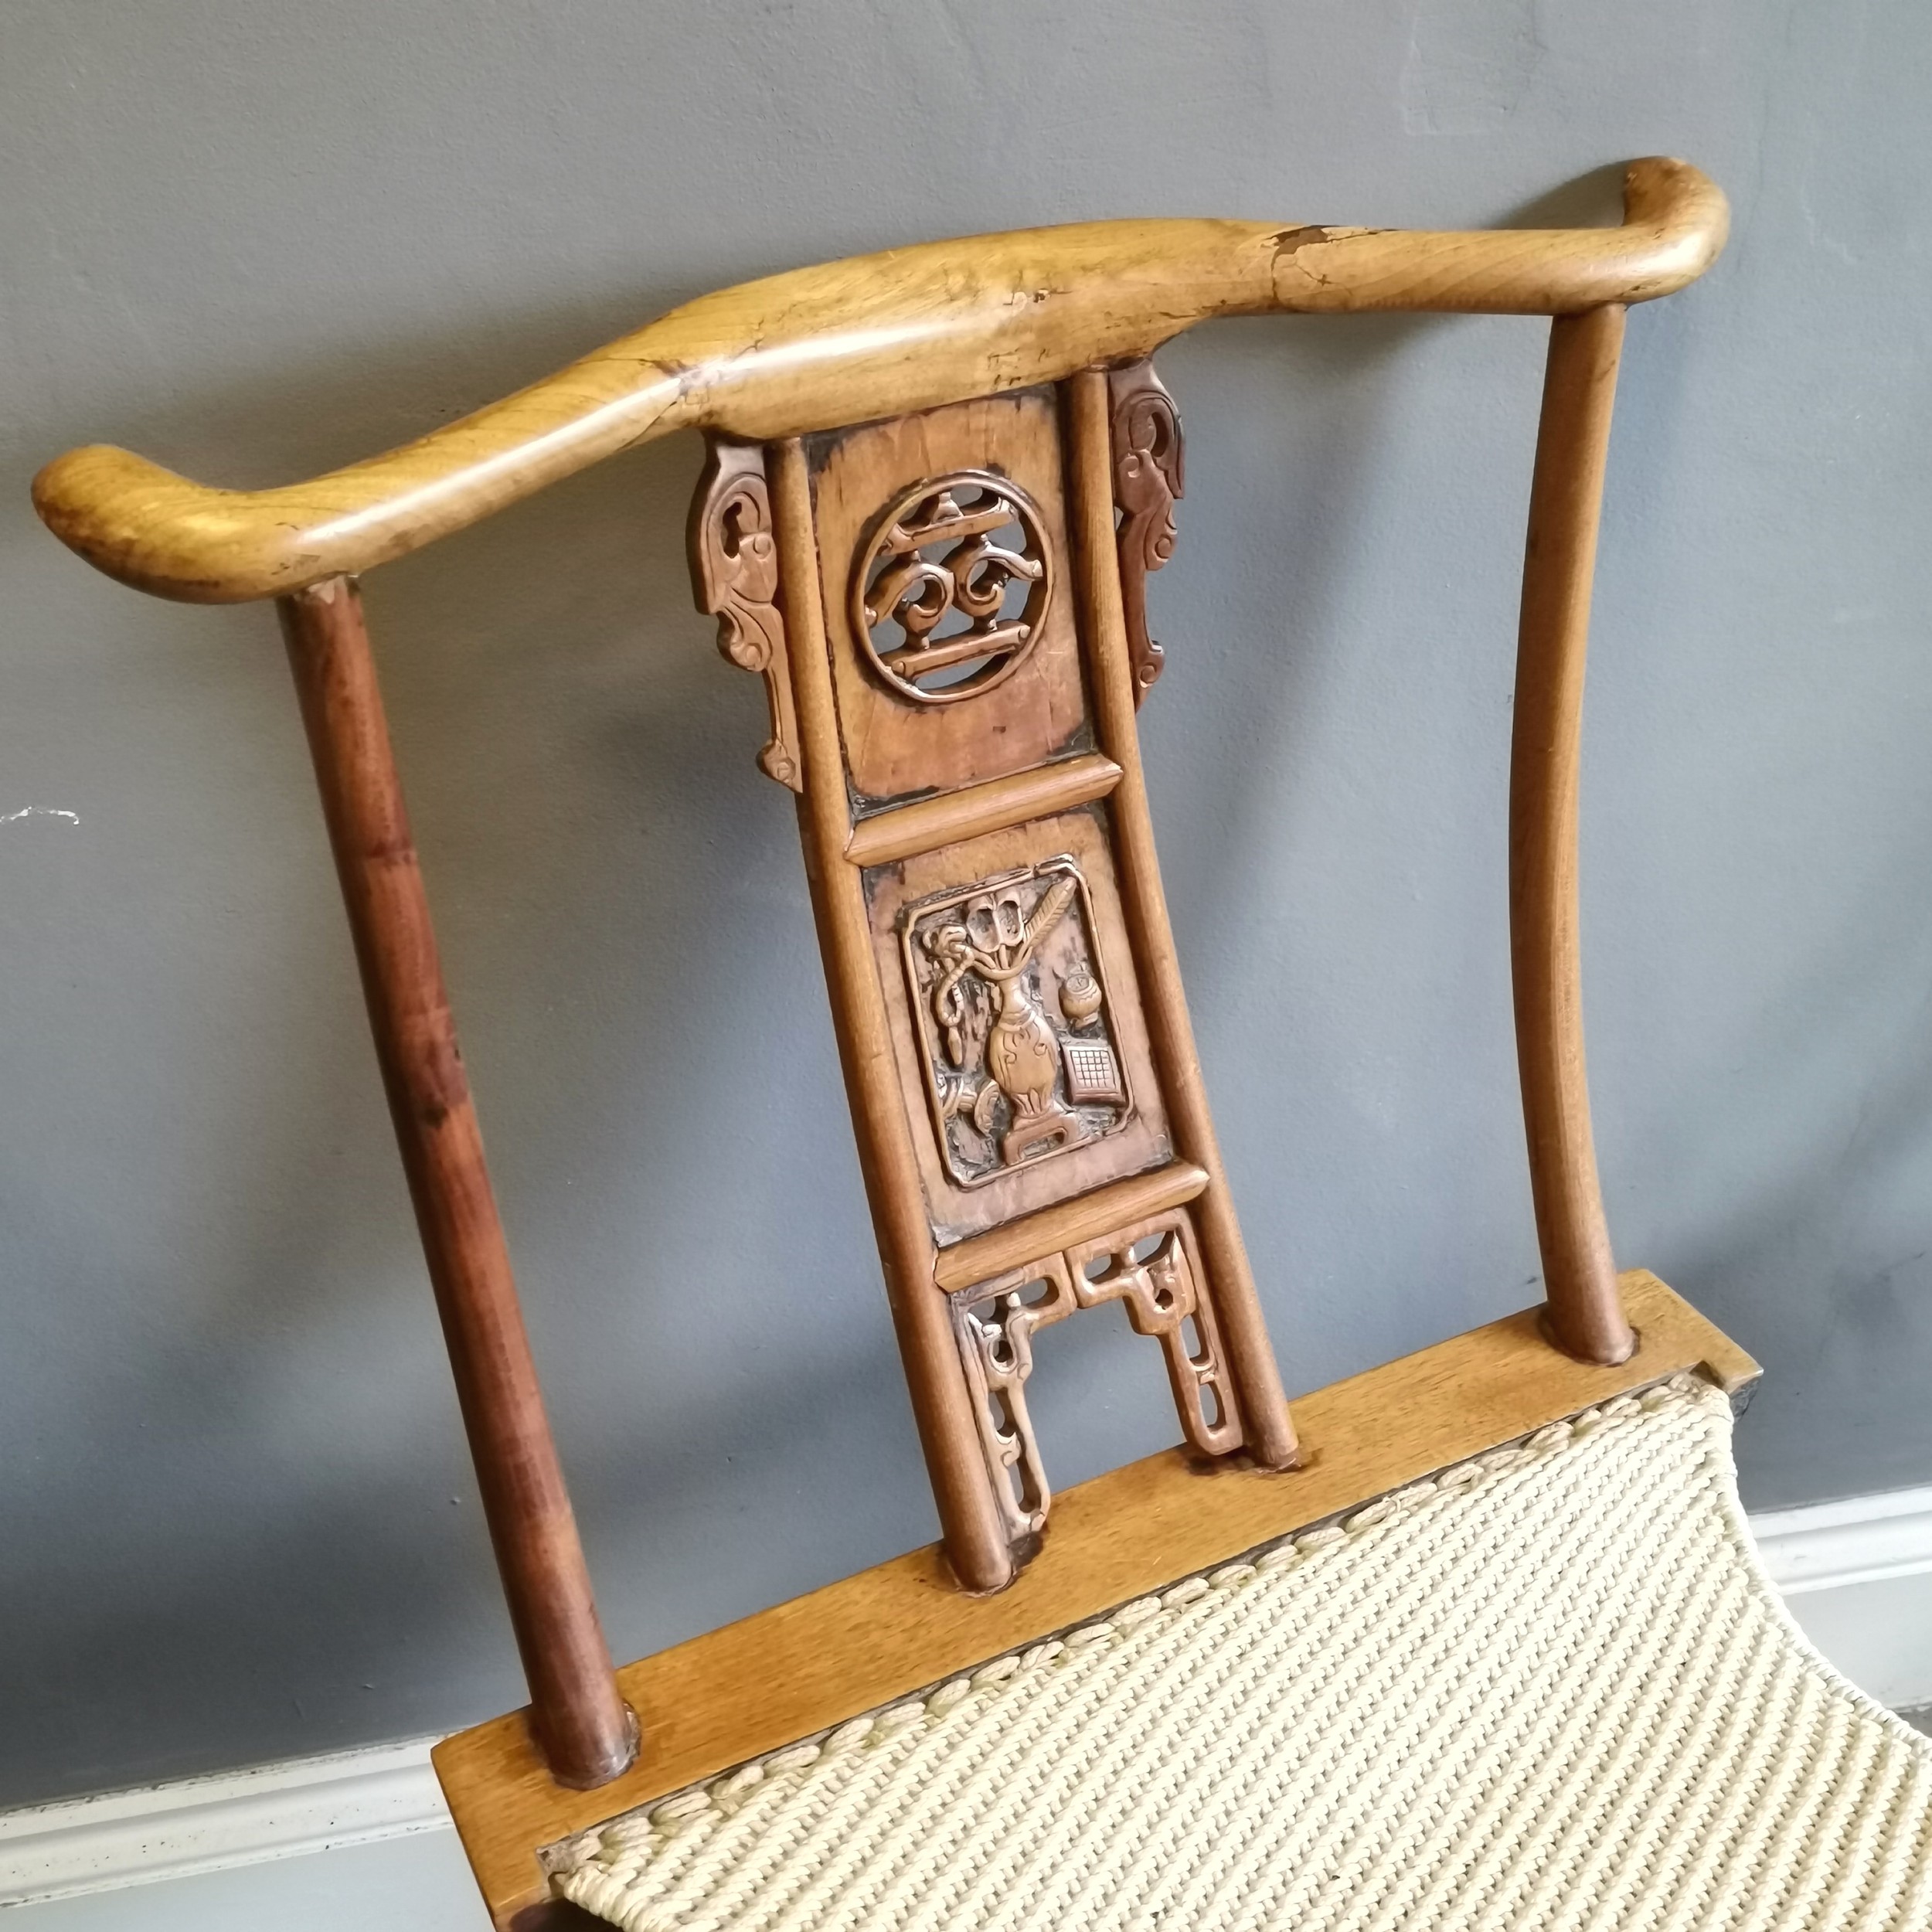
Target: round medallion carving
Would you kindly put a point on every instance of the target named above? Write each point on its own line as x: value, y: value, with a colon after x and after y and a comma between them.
x: 952, y: 587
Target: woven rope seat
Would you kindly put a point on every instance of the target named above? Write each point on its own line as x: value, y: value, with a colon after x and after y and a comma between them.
x: 1548, y: 1688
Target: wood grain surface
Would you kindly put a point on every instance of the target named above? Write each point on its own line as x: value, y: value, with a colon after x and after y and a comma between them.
x: 878, y: 335
x: 894, y: 749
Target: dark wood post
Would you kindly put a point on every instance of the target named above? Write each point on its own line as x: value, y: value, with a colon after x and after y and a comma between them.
x: 586, y: 1734
x: 1566, y: 496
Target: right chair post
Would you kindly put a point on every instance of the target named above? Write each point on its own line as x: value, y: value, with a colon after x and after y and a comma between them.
x: 1586, y: 1315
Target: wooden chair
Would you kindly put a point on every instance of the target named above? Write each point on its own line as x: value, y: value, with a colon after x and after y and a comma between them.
x: 937, y: 480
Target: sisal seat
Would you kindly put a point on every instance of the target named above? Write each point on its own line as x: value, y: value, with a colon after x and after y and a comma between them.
x: 1475, y: 1640
x: 1548, y: 1687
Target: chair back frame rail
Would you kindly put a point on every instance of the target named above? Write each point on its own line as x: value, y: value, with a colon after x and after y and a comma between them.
x: 777, y: 371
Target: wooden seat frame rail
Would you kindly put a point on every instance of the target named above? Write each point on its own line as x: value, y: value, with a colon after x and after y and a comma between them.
x: 775, y: 363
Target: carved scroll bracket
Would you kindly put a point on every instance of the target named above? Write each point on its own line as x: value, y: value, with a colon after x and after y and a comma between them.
x: 1148, y: 478
x: 734, y: 575
x: 1150, y: 1268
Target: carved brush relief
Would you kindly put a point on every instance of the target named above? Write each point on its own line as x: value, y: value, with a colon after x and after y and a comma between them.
x: 1006, y: 985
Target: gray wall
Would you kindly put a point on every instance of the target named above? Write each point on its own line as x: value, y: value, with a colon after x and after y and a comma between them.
x: 253, y: 241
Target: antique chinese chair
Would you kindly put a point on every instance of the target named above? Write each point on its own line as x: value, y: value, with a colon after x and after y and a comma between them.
x: 1476, y: 1640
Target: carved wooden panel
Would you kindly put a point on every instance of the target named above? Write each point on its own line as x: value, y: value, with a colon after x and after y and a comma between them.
x: 1149, y: 475
x: 952, y: 682
x: 913, y: 719
x: 734, y: 572
x: 995, y: 1325
x: 1154, y: 1267
x: 1014, y: 1009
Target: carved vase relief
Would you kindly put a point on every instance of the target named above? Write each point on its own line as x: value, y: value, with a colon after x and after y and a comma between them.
x: 951, y: 590
x: 1006, y: 984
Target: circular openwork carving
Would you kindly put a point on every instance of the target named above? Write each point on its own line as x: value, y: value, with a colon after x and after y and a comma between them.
x: 951, y: 590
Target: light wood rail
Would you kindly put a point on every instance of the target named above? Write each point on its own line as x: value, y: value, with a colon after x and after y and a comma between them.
x: 878, y: 335
x: 929, y: 823
x: 1083, y: 1218
x: 1269, y: 1434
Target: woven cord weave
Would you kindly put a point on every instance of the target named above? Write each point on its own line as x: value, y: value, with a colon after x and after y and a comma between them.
x: 1549, y: 1689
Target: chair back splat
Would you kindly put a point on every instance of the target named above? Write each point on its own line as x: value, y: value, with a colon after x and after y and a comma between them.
x: 935, y: 481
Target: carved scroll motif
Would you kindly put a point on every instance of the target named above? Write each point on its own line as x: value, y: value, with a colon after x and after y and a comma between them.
x: 961, y: 566
x: 1149, y: 1268
x: 734, y: 574
x: 1006, y: 983
x: 1148, y: 478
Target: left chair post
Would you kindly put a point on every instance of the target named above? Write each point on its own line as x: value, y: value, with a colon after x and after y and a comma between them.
x: 586, y: 1734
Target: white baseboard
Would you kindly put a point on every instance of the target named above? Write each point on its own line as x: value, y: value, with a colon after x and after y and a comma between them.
x: 1864, y: 1540
x: 1859, y: 1575
x: 213, y: 1823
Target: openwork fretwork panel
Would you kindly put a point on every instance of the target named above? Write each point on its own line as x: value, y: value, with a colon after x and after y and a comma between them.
x: 1152, y: 1268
